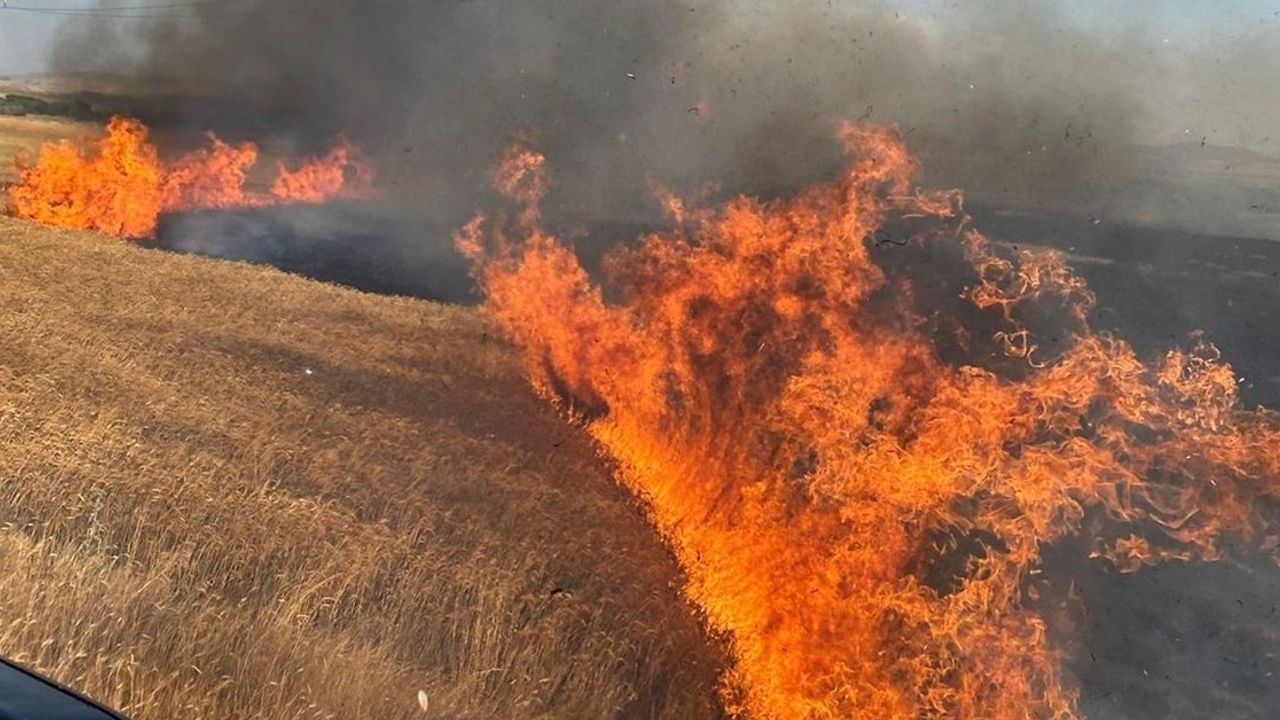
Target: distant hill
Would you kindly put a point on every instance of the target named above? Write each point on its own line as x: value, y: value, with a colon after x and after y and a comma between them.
x: 103, y: 83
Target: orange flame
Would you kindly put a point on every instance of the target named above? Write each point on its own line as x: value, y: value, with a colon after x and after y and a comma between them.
x: 343, y: 172
x: 121, y: 186
x: 210, y: 178
x: 858, y: 496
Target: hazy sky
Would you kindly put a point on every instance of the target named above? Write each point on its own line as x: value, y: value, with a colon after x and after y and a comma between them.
x: 1192, y: 20
x: 1217, y: 78
x: 25, y: 37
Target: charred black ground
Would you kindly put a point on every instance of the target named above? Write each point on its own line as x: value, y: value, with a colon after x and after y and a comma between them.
x: 358, y: 245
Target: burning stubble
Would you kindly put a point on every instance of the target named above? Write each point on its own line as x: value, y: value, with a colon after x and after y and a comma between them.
x: 120, y: 186
x: 859, y: 493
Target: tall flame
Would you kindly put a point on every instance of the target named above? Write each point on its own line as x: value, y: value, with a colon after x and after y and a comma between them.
x: 121, y: 186
x: 857, y: 486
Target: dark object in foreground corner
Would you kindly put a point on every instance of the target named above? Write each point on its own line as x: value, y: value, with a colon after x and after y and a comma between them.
x: 24, y: 695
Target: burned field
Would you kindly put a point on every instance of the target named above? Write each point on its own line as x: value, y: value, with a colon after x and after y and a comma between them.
x: 1176, y: 641
x: 1156, y: 285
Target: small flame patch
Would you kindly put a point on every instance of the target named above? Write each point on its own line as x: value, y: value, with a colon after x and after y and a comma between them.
x: 120, y: 186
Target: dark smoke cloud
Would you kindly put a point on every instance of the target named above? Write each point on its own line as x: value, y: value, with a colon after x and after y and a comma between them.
x: 1004, y: 99
x: 1001, y: 98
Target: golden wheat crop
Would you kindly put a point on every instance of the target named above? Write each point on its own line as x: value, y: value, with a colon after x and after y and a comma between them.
x: 226, y: 492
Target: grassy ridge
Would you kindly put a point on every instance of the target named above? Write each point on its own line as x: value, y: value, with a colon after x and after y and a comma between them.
x: 228, y: 492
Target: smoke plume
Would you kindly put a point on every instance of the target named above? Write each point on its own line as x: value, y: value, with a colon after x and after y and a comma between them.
x: 1006, y: 99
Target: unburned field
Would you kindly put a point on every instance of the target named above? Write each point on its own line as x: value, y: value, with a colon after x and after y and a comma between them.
x: 230, y: 493
x: 21, y: 137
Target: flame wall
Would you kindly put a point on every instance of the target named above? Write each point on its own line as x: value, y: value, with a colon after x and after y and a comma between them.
x: 859, y: 481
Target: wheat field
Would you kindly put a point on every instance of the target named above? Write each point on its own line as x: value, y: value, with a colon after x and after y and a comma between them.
x: 226, y: 492
x: 21, y: 138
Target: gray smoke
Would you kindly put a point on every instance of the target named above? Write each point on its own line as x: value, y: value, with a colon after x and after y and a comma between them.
x: 1001, y: 98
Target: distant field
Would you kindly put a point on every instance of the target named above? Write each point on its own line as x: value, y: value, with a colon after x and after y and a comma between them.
x: 24, y: 135
x: 226, y: 492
